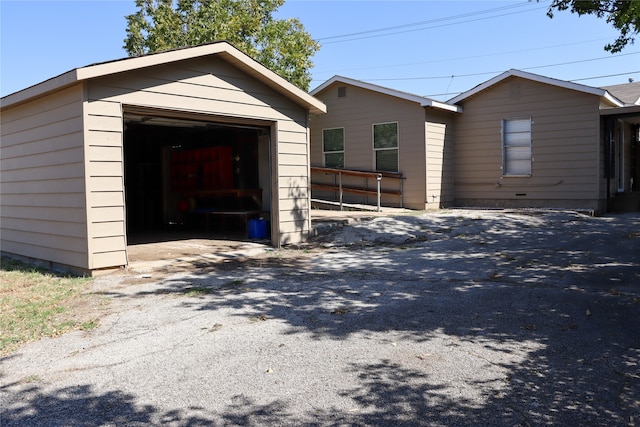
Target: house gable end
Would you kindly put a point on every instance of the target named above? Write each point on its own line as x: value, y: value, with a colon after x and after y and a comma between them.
x: 603, y: 94
x: 420, y: 100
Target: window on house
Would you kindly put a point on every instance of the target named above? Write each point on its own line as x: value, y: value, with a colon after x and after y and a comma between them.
x: 333, y: 147
x: 385, y: 146
x: 516, y: 147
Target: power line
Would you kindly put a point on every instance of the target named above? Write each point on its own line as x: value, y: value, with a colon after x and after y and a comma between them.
x: 570, y: 80
x: 602, y: 77
x: 425, y: 28
x: 464, y: 58
x: 496, y: 72
x: 431, y: 21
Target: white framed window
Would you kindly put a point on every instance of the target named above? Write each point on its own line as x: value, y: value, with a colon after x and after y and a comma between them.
x: 333, y: 147
x: 385, y: 146
x: 516, y: 147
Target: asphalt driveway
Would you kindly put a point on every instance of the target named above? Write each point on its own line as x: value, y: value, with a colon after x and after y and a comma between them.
x: 450, y: 318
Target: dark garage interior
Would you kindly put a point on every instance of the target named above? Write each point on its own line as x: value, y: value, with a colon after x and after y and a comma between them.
x: 195, y: 179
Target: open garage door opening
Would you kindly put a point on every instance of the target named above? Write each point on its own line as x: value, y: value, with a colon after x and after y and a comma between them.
x: 187, y: 178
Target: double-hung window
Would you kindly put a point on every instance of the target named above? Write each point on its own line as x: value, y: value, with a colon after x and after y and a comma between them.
x: 516, y: 147
x: 385, y: 146
x: 333, y: 147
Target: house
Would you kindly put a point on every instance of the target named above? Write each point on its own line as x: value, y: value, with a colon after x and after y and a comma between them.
x: 526, y: 140
x: 621, y: 128
x: 101, y: 154
x: 516, y: 140
x: 373, y: 128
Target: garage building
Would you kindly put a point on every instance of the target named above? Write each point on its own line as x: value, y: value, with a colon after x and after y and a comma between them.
x: 190, y: 138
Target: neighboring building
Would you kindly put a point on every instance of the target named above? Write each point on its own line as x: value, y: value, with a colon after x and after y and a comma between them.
x: 517, y: 140
x: 526, y: 140
x: 621, y: 137
x: 97, y: 154
x: 372, y: 128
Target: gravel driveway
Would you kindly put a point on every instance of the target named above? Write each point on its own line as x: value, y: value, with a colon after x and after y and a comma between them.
x: 441, y: 319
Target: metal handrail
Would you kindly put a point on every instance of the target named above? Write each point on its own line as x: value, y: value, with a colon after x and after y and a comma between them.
x: 378, y: 175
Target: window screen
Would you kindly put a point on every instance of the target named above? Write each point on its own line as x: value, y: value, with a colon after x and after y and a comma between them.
x: 516, y: 147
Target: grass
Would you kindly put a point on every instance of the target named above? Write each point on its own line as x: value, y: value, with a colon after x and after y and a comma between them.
x: 35, y: 303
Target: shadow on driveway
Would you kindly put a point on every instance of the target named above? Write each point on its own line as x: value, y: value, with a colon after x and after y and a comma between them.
x: 491, y: 319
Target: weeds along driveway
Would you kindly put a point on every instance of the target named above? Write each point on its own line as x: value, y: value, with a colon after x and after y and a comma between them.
x: 449, y: 318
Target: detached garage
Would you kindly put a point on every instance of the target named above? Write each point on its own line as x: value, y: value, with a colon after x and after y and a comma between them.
x: 191, y: 138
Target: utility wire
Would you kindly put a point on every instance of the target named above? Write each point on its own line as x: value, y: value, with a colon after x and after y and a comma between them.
x: 602, y: 77
x: 451, y: 94
x: 466, y: 58
x: 428, y: 28
x: 496, y: 72
x: 431, y: 21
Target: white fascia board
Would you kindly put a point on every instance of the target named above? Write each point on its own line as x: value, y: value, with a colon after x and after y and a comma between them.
x: 238, y: 58
x: 138, y: 62
x: 424, y: 102
x: 47, y: 86
x: 537, y: 78
x: 443, y: 106
x: 612, y: 99
x: 227, y: 51
x: 479, y: 88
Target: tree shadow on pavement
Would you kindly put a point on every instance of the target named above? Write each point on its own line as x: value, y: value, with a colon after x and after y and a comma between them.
x: 72, y: 406
x: 518, y: 320
x: 83, y: 406
x: 569, y: 287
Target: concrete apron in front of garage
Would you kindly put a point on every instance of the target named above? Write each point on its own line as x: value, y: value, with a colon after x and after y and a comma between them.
x: 179, y: 253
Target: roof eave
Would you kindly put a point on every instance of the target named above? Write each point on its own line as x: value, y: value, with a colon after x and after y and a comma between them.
x: 235, y: 56
x: 540, y: 79
x: 612, y: 99
x: 421, y: 100
x: 443, y: 106
x: 51, y: 85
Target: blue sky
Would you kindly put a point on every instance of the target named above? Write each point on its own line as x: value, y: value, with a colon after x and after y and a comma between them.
x: 431, y: 48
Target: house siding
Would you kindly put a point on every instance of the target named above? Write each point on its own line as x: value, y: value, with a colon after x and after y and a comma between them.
x: 565, y: 147
x: 105, y: 184
x: 357, y: 112
x: 439, y: 163
x: 200, y: 86
x: 43, y: 180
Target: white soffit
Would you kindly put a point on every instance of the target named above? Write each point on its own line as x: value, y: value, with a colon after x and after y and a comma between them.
x: 537, y: 78
x: 423, y: 101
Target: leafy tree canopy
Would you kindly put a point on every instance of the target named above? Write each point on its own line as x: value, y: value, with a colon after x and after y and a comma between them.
x: 282, y: 45
x: 624, y: 15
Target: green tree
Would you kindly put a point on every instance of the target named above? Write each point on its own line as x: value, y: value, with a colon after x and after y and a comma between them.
x: 282, y: 45
x: 624, y: 15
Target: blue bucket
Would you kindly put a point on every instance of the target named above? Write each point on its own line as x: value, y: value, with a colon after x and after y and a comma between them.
x: 257, y: 228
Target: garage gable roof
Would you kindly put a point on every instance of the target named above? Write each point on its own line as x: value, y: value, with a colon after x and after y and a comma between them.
x: 602, y: 93
x: 221, y: 48
x: 423, y: 101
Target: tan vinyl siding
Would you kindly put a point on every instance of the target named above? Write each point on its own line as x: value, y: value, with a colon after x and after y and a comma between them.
x: 105, y: 184
x: 357, y: 112
x: 565, y: 147
x: 439, y: 166
x: 213, y: 87
x: 42, y: 184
